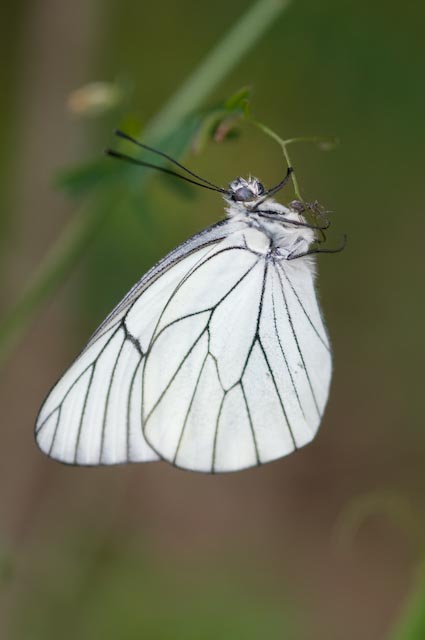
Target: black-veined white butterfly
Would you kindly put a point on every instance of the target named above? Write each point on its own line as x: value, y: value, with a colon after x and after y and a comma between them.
x: 216, y: 360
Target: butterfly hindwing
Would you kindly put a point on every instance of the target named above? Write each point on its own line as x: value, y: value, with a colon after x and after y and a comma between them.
x: 239, y: 366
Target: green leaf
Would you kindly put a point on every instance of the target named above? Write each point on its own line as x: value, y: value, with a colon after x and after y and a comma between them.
x: 82, y: 179
x: 107, y: 172
x: 240, y: 101
x: 411, y: 625
x: 220, y: 122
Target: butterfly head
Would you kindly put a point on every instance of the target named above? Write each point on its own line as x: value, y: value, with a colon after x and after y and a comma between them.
x: 241, y: 190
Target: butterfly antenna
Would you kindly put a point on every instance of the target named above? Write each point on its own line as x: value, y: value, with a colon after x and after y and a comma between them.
x: 276, y: 188
x: 280, y: 184
x: 141, y: 163
x: 125, y: 136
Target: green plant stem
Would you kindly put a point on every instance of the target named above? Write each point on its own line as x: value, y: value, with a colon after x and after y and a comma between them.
x: 411, y: 620
x: 284, y: 145
x: 325, y: 141
x: 74, y: 239
x: 51, y: 272
x: 217, y: 64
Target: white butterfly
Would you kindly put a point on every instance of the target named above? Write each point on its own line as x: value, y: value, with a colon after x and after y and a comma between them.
x: 216, y: 360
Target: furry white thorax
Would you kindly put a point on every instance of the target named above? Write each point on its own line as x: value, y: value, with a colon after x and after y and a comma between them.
x: 286, y: 240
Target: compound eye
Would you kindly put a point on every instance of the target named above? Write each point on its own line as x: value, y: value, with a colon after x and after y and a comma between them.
x: 243, y: 194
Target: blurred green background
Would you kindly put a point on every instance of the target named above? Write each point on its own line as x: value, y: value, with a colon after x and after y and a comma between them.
x: 326, y: 544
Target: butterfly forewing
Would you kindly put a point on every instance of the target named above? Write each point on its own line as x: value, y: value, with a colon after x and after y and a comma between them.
x: 93, y: 414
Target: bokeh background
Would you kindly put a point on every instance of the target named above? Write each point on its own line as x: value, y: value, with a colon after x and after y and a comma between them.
x: 325, y: 544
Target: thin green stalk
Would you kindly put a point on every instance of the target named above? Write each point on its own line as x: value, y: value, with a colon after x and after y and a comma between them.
x: 325, y: 142
x: 284, y: 145
x: 73, y: 240
x: 410, y: 624
x: 69, y: 247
